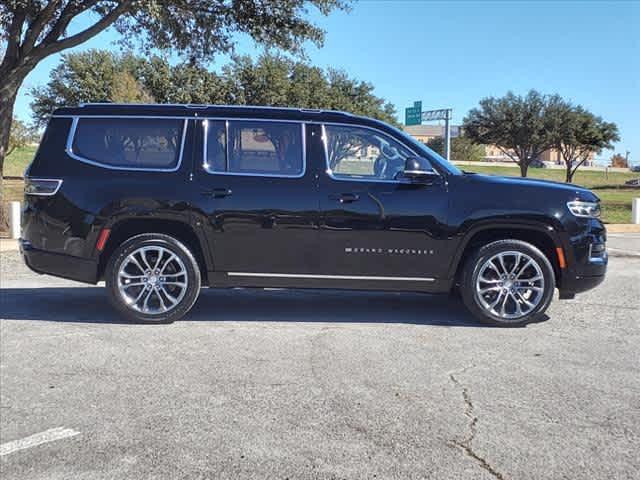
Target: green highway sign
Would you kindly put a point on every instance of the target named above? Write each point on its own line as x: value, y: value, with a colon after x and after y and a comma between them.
x: 413, y: 115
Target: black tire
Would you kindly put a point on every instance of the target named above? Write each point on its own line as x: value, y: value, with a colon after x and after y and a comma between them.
x: 170, y: 244
x: 472, y: 298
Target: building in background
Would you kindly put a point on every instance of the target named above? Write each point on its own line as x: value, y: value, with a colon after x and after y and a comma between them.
x: 424, y: 133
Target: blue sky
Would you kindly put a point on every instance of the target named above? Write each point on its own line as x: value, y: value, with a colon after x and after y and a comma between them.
x: 451, y: 54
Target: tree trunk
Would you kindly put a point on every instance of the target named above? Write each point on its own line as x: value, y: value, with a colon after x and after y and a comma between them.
x: 8, y: 94
x: 6, y: 115
x: 524, y: 166
x: 569, y: 175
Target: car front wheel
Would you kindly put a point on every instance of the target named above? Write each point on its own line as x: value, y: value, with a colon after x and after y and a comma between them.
x: 508, y: 283
x: 152, y: 278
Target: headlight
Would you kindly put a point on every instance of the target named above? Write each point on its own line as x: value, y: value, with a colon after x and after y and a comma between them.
x: 584, y: 209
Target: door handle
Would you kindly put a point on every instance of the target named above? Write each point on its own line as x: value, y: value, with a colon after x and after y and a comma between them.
x: 217, y: 192
x: 345, y: 197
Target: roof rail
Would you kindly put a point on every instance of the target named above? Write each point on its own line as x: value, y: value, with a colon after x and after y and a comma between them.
x: 202, y: 106
x: 93, y: 104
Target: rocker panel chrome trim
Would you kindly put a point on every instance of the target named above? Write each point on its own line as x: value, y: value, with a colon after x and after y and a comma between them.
x: 329, y: 277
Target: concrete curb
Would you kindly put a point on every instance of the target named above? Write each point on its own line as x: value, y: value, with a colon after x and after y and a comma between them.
x: 8, y: 245
x: 622, y: 228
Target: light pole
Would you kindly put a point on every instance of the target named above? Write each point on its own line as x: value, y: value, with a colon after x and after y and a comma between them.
x: 447, y: 136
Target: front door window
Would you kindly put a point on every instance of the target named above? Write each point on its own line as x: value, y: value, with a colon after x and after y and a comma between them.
x: 364, y: 154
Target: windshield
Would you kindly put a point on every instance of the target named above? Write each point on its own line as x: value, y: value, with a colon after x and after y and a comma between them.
x: 435, y: 157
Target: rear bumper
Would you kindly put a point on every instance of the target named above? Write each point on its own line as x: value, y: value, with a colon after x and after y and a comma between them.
x: 59, y: 265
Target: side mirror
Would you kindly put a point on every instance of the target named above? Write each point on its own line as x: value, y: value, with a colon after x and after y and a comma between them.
x: 416, y: 171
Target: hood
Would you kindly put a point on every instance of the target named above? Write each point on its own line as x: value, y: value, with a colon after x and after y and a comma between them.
x: 569, y: 189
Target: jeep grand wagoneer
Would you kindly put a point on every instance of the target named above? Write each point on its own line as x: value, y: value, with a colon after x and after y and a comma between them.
x: 157, y: 200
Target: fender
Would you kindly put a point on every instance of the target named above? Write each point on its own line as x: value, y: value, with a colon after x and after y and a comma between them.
x: 132, y: 221
x: 549, y: 227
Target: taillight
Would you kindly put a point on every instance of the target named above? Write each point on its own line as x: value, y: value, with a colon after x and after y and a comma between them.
x: 41, y: 186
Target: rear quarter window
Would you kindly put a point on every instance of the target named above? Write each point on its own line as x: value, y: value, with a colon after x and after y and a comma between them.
x: 135, y: 143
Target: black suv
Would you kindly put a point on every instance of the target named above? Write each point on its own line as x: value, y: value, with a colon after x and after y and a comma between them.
x: 157, y: 200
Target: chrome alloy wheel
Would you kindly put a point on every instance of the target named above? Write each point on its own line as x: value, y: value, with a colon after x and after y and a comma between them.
x: 152, y: 280
x: 510, y: 285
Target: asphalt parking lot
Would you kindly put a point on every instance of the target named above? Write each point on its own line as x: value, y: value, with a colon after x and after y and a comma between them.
x: 316, y: 385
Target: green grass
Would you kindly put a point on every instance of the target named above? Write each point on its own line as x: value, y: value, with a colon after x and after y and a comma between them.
x: 586, y: 178
x: 16, y: 163
x: 616, y: 200
x: 12, y: 190
x: 616, y: 204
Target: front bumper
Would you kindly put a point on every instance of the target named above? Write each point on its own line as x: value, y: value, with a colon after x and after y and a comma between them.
x: 58, y: 264
x: 588, y: 260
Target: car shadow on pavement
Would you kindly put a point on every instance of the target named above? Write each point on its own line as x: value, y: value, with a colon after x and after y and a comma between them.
x: 90, y: 305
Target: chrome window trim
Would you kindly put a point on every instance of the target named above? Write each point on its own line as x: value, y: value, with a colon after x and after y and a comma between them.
x: 50, y: 194
x: 226, y: 146
x: 102, y: 115
x: 303, y: 138
x: 196, y: 117
x: 329, y: 277
x: 330, y: 172
x: 74, y: 126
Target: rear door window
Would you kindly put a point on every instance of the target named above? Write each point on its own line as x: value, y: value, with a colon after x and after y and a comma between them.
x: 254, y: 148
x: 129, y: 143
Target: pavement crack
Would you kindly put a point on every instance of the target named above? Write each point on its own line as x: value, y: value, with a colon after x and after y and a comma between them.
x: 312, y: 356
x: 465, y: 444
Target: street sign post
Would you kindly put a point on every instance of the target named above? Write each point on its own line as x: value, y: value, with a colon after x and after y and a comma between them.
x: 413, y: 115
x: 442, y: 114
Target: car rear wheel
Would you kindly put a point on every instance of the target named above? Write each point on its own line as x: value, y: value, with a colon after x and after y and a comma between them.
x: 508, y: 283
x: 153, y: 278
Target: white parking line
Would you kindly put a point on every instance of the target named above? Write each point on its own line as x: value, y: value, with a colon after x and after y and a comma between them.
x: 623, y: 235
x: 37, y: 439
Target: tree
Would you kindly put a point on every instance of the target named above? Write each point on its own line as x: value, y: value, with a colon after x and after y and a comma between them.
x: 577, y: 134
x: 519, y: 126
x: 279, y: 81
x: 436, y: 144
x: 91, y: 76
x: 32, y: 30
x: 126, y: 89
x: 268, y: 80
x: 182, y: 83
x: 619, y: 161
x: 463, y: 149
x: 21, y: 136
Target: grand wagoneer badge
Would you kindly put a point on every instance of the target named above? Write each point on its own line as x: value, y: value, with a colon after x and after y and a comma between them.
x: 389, y: 251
